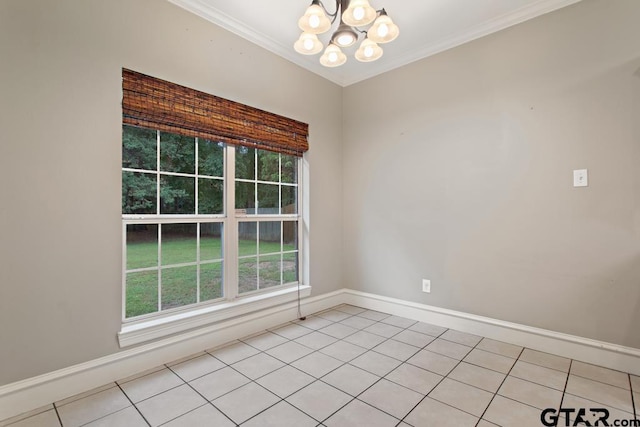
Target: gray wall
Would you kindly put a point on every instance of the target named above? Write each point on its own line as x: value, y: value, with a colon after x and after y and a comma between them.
x: 60, y: 152
x: 458, y: 168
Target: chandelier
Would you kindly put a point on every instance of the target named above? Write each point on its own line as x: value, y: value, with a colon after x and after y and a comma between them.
x: 354, y: 15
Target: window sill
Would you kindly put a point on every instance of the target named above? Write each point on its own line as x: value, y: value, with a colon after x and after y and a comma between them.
x: 139, y: 332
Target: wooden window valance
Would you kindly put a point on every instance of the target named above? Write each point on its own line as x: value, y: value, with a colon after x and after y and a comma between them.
x: 169, y: 107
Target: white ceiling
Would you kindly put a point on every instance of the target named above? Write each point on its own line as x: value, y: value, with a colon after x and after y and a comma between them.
x: 426, y: 27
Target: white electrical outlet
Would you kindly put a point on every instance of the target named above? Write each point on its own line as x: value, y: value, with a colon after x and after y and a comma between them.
x: 426, y: 285
x: 580, y: 178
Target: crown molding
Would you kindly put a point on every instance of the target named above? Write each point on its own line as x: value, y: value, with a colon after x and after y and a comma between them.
x: 206, y: 11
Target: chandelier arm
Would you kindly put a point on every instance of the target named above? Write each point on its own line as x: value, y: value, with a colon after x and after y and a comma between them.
x: 333, y: 15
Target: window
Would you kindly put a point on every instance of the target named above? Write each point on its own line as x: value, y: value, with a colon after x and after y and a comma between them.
x: 208, y: 215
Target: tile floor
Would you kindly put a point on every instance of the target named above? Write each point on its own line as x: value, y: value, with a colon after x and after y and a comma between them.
x: 351, y: 367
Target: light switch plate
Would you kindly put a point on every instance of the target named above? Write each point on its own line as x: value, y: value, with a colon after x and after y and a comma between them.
x: 580, y: 178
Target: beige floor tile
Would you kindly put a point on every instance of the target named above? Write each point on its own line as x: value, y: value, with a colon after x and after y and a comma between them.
x: 461, y: 337
x: 129, y: 417
x: 90, y: 408
x: 338, y: 330
x: 350, y: 379
x: 319, y: 400
x: 462, y: 396
x: 152, y: 384
x: 509, y: 413
x: 414, y: 378
x: 500, y: 347
x: 391, y: 398
x: 448, y: 348
x: 428, y: 329
x: 357, y: 322
x: 430, y: 412
x: 234, y: 352
x: 202, y: 416
x: 383, y: 330
x: 265, y: 340
x: 88, y: 393
x: 357, y: 414
x: 599, y: 392
x: 316, y: 340
x: 350, y: 309
x: 433, y: 362
x: 289, y: 351
x: 376, y: 363
x: 545, y: 359
x: 396, y: 349
x: 197, y: 367
x: 574, y: 402
x: 485, y: 423
x: 155, y: 369
x: 343, y: 351
x: 635, y: 385
x: 313, y: 322
x: 219, y: 382
x: 478, y: 376
x: 257, y: 366
x: 598, y: 373
x: 317, y: 364
x: 333, y: 315
x: 42, y: 419
x: 254, y: 399
x: 170, y: 404
x: 365, y: 339
x: 28, y: 414
x: 400, y: 322
x: 530, y: 393
x: 413, y: 338
x: 292, y: 331
x: 489, y: 360
x: 373, y: 315
x: 282, y: 414
x: 539, y: 374
x: 285, y: 381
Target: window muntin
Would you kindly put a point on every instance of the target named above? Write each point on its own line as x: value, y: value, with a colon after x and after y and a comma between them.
x: 174, y: 217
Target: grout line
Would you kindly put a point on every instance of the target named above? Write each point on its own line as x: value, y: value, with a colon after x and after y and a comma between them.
x: 134, y: 405
x: 55, y: 408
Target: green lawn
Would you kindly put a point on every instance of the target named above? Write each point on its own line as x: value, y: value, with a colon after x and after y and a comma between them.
x: 179, y: 283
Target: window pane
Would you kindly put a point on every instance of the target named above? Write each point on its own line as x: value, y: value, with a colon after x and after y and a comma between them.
x: 289, y: 169
x: 179, y: 286
x: 142, y: 246
x: 247, y: 238
x: 210, y: 196
x: 289, y: 200
x: 178, y: 243
x: 177, y: 153
x: 268, y: 166
x: 138, y: 193
x: 210, y: 158
x: 290, y: 267
x: 268, y: 199
x: 177, y: 195
x: 269, y: 237
x: 290, y: 235
x: 245, y: 196
x: 245, y: 163
x: 210, y: 241
x: 269, y: 271
x: 247, y: 275
x: 139, y: 148
x: 142, y: 293
x: 210, y: 281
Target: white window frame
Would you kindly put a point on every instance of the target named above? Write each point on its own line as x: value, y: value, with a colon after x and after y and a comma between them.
x: 165, y: 322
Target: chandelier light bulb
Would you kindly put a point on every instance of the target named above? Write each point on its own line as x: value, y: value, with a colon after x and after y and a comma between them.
x: 314, y: 20
x: 368, y: 51
x: 359, y: 13
x: 308, y: 44
x: 333, y: 56
x: 383, y: 30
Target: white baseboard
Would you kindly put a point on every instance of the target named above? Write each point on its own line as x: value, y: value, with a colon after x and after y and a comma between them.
x: 25, y: 395
x: 613, y: 356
